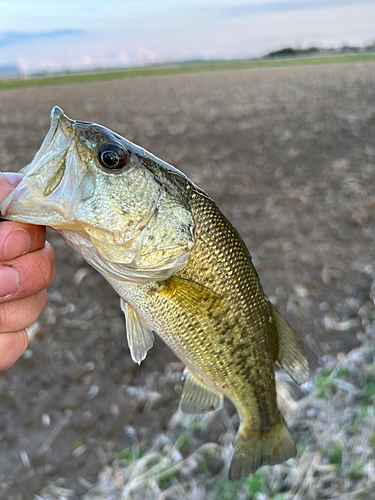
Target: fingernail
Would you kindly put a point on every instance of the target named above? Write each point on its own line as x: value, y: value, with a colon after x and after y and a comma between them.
x: 3, y: 177
x: 17, y: 243
x: 11, y: 178
x: 9, y: 281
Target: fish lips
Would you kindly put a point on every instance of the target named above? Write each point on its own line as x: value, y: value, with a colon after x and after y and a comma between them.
x: 37, y: 199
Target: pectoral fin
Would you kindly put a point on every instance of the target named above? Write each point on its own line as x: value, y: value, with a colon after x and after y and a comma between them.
x: 140, y: 336
x: 197, y: 398
x: 291, y: 357
x: 192, y: 296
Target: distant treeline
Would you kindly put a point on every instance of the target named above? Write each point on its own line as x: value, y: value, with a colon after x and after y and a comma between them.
x: 312, y: 51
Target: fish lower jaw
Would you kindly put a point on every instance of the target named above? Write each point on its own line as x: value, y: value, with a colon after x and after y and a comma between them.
x: 20, y: 205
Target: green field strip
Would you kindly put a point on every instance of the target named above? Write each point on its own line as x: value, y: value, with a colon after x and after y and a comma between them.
x: 179, y: 69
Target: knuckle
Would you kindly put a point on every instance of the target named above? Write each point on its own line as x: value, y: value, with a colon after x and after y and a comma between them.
x: 39, y: 271
x: 8, y: 316
x: 36, y: 271
x: 42, y: 301
x: 22, y: 341
x: 21, y: 313
x: 36, y: 305
x: 45, y: 262
x: 50, y: 255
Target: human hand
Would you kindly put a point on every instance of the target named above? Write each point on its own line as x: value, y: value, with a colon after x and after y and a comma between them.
x: 27, y: 267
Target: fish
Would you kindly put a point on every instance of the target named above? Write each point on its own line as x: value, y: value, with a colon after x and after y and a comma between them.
x: 180, y: 268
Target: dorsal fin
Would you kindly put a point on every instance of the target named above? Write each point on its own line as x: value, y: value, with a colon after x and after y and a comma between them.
x: 291, y: 356
x: 196, y: 398
x: 140, y: 336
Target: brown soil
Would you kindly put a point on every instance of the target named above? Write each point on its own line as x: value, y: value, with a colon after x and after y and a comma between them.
x: 287, y: 153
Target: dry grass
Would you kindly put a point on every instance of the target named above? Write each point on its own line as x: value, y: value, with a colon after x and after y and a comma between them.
x: 334, y: 418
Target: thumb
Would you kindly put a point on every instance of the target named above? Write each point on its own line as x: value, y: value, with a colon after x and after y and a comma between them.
x: 8, y: 182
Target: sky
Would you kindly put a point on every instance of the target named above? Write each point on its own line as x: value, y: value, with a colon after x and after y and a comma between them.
x: 81, y: 34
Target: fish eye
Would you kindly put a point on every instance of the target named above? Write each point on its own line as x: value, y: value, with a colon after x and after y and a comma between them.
x: 112, y: 156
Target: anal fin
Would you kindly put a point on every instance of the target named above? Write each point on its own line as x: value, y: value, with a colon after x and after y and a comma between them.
x: 196, y: 398
x: 140, y: 336
x: 290, y: 357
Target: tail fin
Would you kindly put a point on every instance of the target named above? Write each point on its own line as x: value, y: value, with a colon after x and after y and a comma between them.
x: 251, y: 452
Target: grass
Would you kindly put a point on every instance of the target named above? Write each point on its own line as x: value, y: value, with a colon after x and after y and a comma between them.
x: 336, y: 459
x: 183, y: 68
x: 78, y: 443
x: 333, y: 422
x: 326, y: 382
x: 335, y: 454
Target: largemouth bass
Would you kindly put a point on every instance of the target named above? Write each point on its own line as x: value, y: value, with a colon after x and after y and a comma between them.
x: 180, y: 268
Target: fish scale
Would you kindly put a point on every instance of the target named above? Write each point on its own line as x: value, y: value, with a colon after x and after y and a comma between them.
x: 258, y: 347
x: 240, y: 286
x: 180, y: 268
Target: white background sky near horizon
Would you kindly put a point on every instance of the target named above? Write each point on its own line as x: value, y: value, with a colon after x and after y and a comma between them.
x: 75, y: 34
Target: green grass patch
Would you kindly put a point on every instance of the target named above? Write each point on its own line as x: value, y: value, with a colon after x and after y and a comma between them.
x: 194, y: 427
x: 335, y: 454
x: 226, y: 490
x: 129, y: 455
x: 185, y: 439
x: 248, y: 489
x: 357, y: 470
x: 325, y: 381
x: 254, y: 484
x: 301, y: 446
x: 168, y: 477
x: 367, y: 395
x: 362, y: 412
x: 183, y: 68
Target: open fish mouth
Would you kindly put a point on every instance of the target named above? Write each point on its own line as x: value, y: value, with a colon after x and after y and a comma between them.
x: 56, y: 114
x: 35, y: 199
x: 88, y: 182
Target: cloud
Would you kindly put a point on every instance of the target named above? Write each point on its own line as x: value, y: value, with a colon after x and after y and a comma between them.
x: 209, y: 32
x: 10, y: 38
x: 286, y: 5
